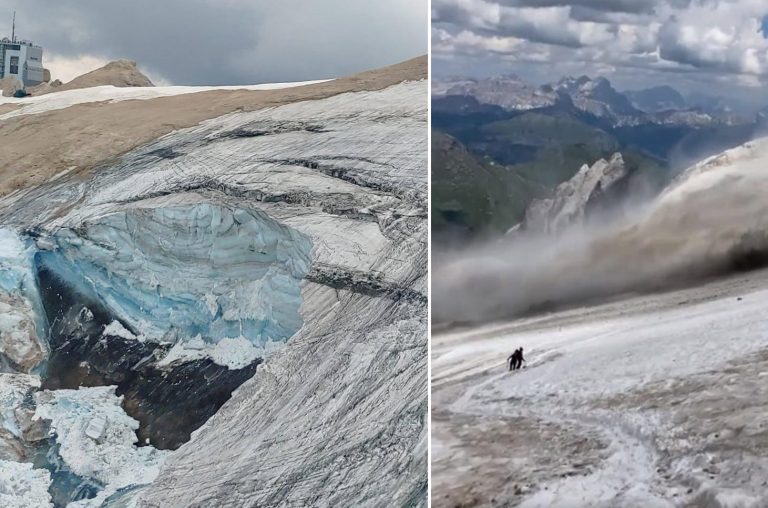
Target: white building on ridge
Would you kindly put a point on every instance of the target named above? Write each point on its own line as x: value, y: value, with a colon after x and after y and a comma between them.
x: 21, y: 59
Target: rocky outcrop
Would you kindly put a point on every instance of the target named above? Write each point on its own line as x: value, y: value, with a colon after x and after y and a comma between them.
x: 45, y: 87
x: 10, y: 85
x: 120, y: 73
x: 508, y: 92
x: 19, y: 344
x: 573, y: 200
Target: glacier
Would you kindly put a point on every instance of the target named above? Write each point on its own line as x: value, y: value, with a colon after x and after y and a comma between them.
x: 233, y: 314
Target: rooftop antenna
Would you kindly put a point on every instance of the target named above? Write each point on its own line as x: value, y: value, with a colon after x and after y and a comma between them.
x: 13, y: 31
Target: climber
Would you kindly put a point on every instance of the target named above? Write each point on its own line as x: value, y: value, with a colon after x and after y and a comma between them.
x: 513, y: 359
x: 520, y: 358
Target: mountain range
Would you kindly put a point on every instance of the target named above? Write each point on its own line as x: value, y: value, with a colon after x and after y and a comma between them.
x: 600, y: 98
x: 499, y: 143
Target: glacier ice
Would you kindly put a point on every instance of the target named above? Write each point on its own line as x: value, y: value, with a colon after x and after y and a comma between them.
x: 22, y: 486
x: 178, y: 272
x: 96, y: 439
x: 293, y: 238
x: 337, y: 417
x: 14, y: 266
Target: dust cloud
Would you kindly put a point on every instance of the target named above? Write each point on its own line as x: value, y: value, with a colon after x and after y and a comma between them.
x: 712, y: 219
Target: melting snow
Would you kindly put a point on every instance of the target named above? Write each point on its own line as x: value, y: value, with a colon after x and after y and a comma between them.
x: 60, y: 100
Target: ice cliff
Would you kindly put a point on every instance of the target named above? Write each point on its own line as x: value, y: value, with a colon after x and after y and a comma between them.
x: 277, y: 257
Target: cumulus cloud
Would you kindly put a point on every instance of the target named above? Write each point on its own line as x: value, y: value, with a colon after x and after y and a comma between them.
x: 68, y: 68
x: 723, y: 36
x: 226, y: 41
x: 706, y: 38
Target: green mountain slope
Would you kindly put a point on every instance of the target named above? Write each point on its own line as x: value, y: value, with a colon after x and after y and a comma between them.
x: 474, y: 193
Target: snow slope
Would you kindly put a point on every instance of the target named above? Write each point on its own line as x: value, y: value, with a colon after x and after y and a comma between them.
x: 59, y: 100
x: 607, y: 371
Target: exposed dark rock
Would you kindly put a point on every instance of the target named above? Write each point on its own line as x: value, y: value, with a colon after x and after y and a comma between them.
x: 169, y: 402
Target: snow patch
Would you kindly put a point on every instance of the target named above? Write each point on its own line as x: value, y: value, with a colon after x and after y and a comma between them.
x: 118, y: 330
x: 59, y: 100
x: 22, y: 486
x: 233, y: 353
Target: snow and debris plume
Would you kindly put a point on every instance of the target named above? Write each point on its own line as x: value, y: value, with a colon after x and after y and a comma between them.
x: 712, y: 219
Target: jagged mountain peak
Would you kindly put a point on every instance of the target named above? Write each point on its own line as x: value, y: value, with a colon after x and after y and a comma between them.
x: 572, y: 200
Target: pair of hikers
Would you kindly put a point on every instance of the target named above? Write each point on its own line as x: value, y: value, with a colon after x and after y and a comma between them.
x: 515, y: 360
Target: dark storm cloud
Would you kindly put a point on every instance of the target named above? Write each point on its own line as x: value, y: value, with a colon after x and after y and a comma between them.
x: 627, y: 6
x: 508, y: 23
x: 547, y: 33
x: 608, y: 6
x: 228, y: 41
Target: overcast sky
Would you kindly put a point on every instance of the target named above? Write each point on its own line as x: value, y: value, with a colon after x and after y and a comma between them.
x: 222, y: 41
x: 696, y: 45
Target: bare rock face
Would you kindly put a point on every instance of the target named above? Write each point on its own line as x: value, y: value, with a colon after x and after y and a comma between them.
x: 120, y: 73
x: 10, y: 85
x: 45, y: 87
x: 572, y: 199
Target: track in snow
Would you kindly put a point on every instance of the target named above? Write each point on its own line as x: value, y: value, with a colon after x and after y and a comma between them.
x: 659, y: 388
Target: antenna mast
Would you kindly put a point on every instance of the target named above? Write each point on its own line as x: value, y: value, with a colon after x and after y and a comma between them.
x: 13, y: 31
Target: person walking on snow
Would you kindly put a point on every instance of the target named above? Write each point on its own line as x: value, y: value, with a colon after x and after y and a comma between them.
x: 520, y: 358
x: 513, y: 359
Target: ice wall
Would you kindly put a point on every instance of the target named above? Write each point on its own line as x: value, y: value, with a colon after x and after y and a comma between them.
x: 200, y: 270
